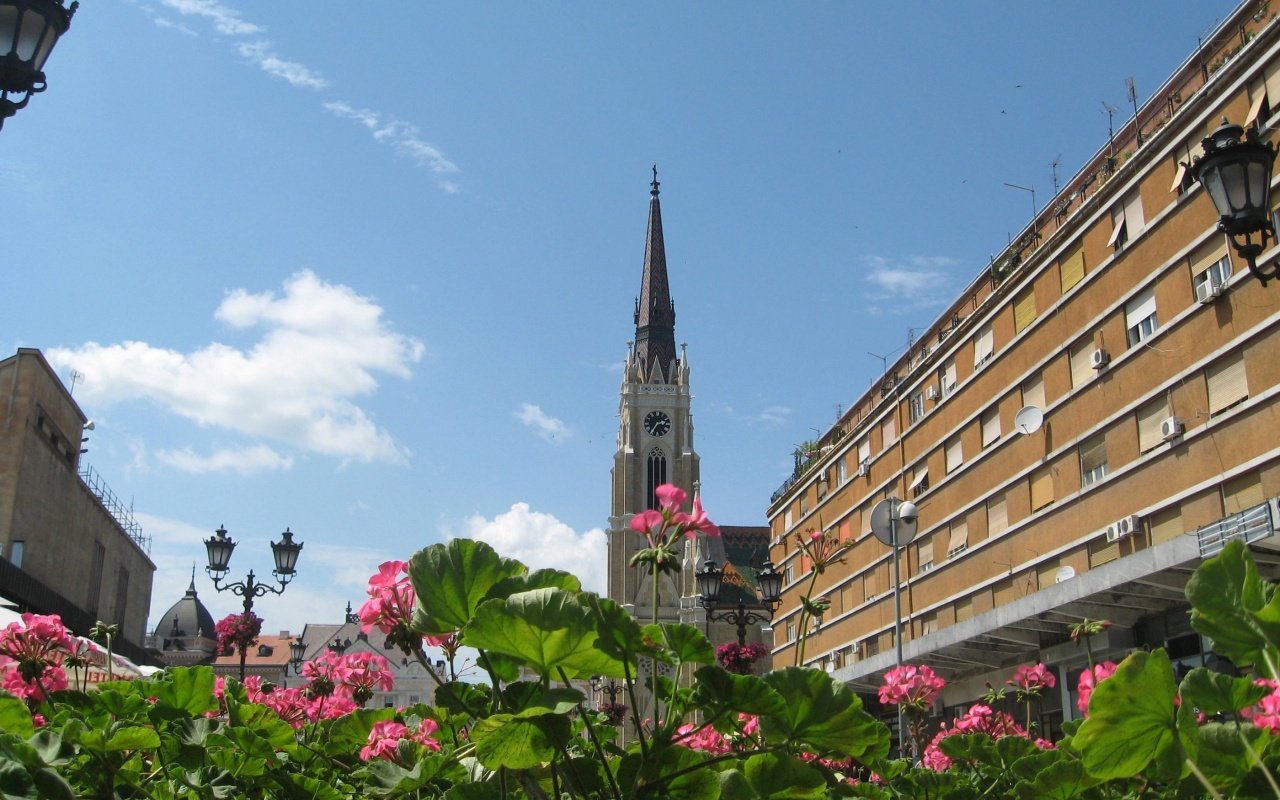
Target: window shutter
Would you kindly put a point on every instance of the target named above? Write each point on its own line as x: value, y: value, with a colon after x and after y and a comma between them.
x: 1149, y: 418
x: 1258, y: 91
x: 1081, y: 355
x: 1140, y: 307
x: 924, y: 551
x: 918, y: 476
x: 1004, y: 592
x: 1208, y: 255
x: 1033, y: 392
x: 1041, y: 488
x: 1071, y: 269
x: 983, y: 346
x: 990, y: 426
x: 1271, y: 77
x: 1228, y: 383
x: 1166, y: 524
x: 889, y: 432
x: 997, y: 517
x: 964, y: 609
x: 864, y: 451
x: 1117, y: 226
x: 959, y: 538
x: 1101, y: 552
x: 1242, y: 492
x: 955, y: 454
x: 1133, y: 213
x: 1024, y: 309
x: 1047, y: 574
x: 1093, y: 454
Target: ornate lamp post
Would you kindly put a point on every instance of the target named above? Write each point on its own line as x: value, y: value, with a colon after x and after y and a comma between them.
x: 611, y: 689
x: 1236, y: 172
x: 28, y: 31
x: 297, y: 653
x: 770, y: 582
x: 220, y: 547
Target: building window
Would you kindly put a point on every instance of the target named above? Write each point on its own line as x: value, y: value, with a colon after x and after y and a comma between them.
x: 1024, y: 309
x: 788, y: 519
x: 1041, y: 483
x: 983, y: 347
x: 1071, y: 269
x: 1093, y: 461
x: 947, y: 379
x: 871, y: 647
x: 842, y: 469
x: 1081, y: 357
x: 791, y: 631
x: 657, y: 475
x: 1166, y: 524
x: 864, y: 453
x: 15, y: 553
x: 1242, y: 492
x: 1210, y: 269
x: 1140, y: 316
x: 917, y: 407
x: 924, y: 554
x: 955, y: 455
x: 919, y: 481
x: 889, y: 432
x: 959, y: 541
x: 990, y: 426
x: 1228, y: 383
x: 789, y: 573
x: 1033, y: 392
x: 1127, y: 220
x: 1150, y: 417
x: 997, y: 516
x: 804, y: 504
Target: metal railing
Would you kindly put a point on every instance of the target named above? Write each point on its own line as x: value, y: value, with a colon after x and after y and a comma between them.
x: 122, y: 515
x: 1249, y: 525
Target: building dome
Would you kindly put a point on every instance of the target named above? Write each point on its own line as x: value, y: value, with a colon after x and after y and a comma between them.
x: 187, y: 618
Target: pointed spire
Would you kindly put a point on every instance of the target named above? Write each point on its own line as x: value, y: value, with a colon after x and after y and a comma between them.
x: 655, y: 313
x: 191, y: 590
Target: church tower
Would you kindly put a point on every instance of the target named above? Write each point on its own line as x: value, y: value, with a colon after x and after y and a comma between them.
x: 655, y: 429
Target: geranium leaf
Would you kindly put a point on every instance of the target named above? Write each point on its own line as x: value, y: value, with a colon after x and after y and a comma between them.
x: 685, y: 644
x: 1215, y: 693
x: 545, y: 629
x: 1064, y: 779
x: 823, y: 714
x: 187, y: 688
x: 451, y: 581
x: 542, y: 579
x: 720, y: 690
x: 776, y: 776
x: 1225, y: 593
x: 520, y: 741
x: 15, y: 717
x: 1131, y: 720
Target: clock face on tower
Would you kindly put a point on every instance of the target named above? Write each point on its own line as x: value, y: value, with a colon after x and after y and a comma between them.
x: 657, y: 423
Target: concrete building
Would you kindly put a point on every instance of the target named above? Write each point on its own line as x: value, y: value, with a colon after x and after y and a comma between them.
x: 69, y: 546
x: 1093, y: 415
x: 413, y: 684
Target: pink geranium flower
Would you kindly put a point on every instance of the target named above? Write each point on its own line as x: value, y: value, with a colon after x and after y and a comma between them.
x: 1089, y: 680
x: 671, y: 497
x: 914, y: 688
x: 384, y: 741
x: 359, y: 675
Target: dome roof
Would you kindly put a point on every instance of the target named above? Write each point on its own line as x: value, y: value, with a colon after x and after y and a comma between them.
x: 188, y: 617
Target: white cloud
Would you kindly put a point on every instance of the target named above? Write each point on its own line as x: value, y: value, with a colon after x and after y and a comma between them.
x: 259, y: 52
x: 540, y: 541
x: 225, y: 20
x: 320, y: 350
x: 548, y: 427
x: 403, y: 137
x: 246, y: 461
x: 774, y: 415
x: 161, y: 22
x: 910, y: 284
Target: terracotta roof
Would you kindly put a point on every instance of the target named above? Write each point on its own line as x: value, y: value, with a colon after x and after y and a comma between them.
x: 278, y: 655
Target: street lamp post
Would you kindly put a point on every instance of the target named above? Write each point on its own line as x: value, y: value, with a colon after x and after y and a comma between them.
x: 709, y: 579
x: 28, y: 31
x: 611, y: 689
x: 895, y: 523
x: 220, y: 547
x: 1236, y: 172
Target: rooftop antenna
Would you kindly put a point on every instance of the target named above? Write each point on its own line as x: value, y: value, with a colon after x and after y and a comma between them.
x: 884, y: 362
x: 1131, y: 89
x: 1053, y: 167
x: 1031, y: 189
x: 839, y: 411
x: 1110, y: 111
x: 76, y: 377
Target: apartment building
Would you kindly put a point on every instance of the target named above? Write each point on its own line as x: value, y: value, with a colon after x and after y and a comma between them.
x: 1094, y: 414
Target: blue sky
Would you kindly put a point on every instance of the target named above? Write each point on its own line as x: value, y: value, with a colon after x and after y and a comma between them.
x: 368, y: 272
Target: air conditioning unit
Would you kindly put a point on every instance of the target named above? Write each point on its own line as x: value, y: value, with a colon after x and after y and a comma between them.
x: 1170, y: 428
x: 931, y: 393
x: 1209, y: 290
x: 1123, y: 527
x: 1100, y: 358
x: 864, y: 468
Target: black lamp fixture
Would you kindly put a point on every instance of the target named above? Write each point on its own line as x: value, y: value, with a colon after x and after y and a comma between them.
x: 28, y: 31
x: 611, y: 689
x: 220, y: 546
x: 297, y: 653
x: 768, y: 579
x: 1236, y: 172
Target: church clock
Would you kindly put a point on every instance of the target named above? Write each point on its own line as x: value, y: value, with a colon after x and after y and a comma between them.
x: 657, y: 423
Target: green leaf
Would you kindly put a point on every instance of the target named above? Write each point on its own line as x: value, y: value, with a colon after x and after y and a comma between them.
x: 685, y: 644
x: 1215, y: 693
x: 720, y: 690
x: 546, y: 629
x: 1222, y: 756
x: 1226, y: 595
x: 520, y: 741
x: 15, y: 717
x: 474, y: 791
x: 542, y: 579
x: 824, y: 715
x: 654, y: 781
x: 52, y: 786
x: 977, y: 748
x: 1064, y: 779
x: 1131, y: 720
x: 267, y: 725
x: 776, y: 776
x: 619, y: 635
x: 464, y: 698
x: 133, y: 737
x: 186, y: 688
x: 312, y: 788
x: 451, y: 581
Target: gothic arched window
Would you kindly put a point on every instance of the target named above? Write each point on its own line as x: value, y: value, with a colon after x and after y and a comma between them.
x: 655, y: 475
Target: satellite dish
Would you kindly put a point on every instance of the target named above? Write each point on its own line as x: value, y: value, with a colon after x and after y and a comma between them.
x: 1028, y: 420
x: 886, y: 520
x: 1064, y: 574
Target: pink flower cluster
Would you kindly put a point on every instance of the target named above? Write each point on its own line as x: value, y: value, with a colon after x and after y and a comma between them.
x: 1032, y: 681
x: 238, y: 632
x: 913, y: 688
x: 1089, y: 679
x: 385, y: 738
x: 740, y: 659
x: 296, y: 706
x: 390, y: 600
x: 668, y: 522
x: 709, y: 740
x: 354, y: 676
x: 979, y: 719
x: 31, y: 655
x: 1266, y: 714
